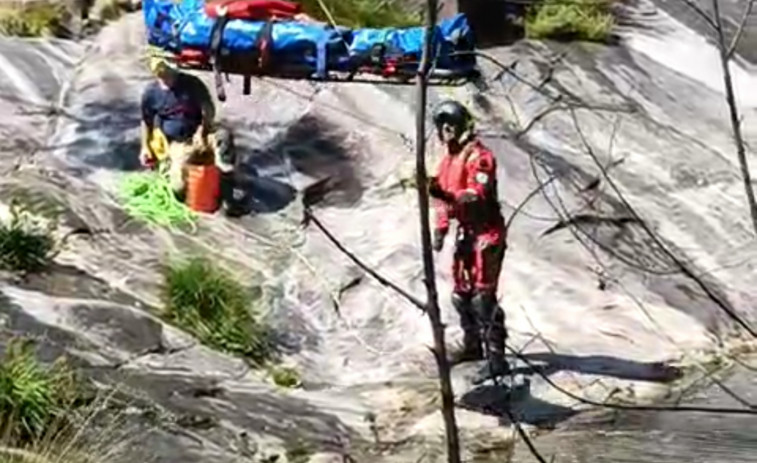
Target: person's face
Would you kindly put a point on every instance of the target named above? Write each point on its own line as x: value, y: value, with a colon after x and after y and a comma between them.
x: 165, y: 76
x: 447, y: 133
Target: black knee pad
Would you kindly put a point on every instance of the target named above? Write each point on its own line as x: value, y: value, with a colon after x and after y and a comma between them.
x: 461, y: 302
x: 484, y: 305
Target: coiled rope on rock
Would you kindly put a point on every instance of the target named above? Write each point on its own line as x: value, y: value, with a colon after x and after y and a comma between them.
x: 148, y: 196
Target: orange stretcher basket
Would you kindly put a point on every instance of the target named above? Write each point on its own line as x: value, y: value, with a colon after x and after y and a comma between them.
x: 203, y: 188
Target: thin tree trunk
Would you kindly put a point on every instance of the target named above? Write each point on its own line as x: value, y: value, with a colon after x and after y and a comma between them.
x: 734, y: 111
x: 432, y: 304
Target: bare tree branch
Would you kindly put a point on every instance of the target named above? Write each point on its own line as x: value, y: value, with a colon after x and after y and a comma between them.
x: 703, y: 14
x: 310, y: 217
x: 554, y: 106
x: 432, y: 303
x: 734, y: 113
x: 740, y: 30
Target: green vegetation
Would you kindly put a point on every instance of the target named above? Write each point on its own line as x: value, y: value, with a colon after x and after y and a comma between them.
x: 362, y: 13
x: 33, y: 397
x: 24, y: 246
x: 299, y: 452
x: 46, y: 414
x: 108, y: 10
x: 209, y: 303
x: 287, y: 377
x: 561, y: 20
x: 31, y: 19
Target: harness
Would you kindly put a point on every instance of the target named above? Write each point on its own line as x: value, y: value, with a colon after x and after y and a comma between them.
x: 485, y: 214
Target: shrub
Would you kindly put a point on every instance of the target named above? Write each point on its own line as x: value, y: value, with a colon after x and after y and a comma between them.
x: 287, y: 377
x: 32, y: 396
x: 566, y: 20
x: 31, y: 19
x: 363, y: 13
x: 24, y: 245
x: 210, y: 304
x: 108, y: 10
x: 299, y: 452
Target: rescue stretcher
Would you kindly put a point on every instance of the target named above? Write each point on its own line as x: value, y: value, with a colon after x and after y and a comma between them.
x: 274, y: 38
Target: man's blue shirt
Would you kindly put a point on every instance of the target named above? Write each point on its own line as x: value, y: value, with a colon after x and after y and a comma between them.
x: 176, y: 111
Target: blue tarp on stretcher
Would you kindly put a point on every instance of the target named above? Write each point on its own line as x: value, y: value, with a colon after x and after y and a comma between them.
x: 313, y: 49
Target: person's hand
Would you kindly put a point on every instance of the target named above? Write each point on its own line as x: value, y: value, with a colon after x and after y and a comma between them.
x: 467, y: 197
x: 435, y: 190
x: 146, y: 158
x: 199, y: 140
x: 438, y: 239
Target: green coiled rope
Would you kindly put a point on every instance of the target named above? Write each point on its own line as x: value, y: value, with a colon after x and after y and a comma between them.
x: 148, y: 196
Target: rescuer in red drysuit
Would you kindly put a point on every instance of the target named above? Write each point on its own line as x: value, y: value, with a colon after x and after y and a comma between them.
x: 465, y: 190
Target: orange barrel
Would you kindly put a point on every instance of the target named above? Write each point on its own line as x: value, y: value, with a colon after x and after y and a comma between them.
x: 203, y: 188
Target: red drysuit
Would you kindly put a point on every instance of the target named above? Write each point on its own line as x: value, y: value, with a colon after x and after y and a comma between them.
x: 470, y: 178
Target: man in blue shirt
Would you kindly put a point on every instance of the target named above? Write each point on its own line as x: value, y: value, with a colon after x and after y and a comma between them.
x: 177, y: 115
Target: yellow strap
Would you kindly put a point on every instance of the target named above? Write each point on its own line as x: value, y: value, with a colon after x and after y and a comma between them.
x: 159, y: 144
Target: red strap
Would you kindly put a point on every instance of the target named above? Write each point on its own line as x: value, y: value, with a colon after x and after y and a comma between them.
x: 261, y: 10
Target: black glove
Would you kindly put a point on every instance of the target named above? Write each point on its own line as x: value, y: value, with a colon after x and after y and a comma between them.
x: 467, y: 198
x: 438, y: 239
x: 436, y: 191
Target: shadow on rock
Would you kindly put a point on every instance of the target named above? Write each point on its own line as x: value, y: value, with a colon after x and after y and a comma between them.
x: 242, y: 407
x: 310, y: 152
x: 51, y: 342
x: 269, y: 173
x: 549, y: 363
x: 247, y: 192
x: 497, y: 400
x: 103, y: 136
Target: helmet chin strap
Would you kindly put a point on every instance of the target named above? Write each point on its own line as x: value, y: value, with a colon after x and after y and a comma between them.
x: 465, y: 137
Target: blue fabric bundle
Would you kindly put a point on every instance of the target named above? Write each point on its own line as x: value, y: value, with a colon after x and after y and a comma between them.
x: 312, y: 48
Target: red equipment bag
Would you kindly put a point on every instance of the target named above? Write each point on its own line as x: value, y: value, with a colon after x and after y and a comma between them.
x: 259, y: 10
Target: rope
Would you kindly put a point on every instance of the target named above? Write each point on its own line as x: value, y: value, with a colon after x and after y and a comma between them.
x: 148, y: 196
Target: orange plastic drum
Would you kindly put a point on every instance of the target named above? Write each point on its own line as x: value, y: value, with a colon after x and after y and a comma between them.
x: 203, y: 188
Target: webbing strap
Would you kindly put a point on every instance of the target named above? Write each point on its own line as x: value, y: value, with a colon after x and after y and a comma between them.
x: 261, y: 52
x: 258, y: 61
x: 216, y: 39
x: 321, y: 57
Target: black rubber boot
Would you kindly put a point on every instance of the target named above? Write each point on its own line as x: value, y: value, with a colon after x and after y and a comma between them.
x: 492, y: 318
x: 472, y: 349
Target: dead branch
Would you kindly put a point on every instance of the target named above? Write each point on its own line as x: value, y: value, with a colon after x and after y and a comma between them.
x: 740, y: 30
x: 432, y: 304
x: 723, y: 304
x: 703, y: 14
x: 734, y: 113
x: 525, y: 200
x: 578, y: 219
x: 309, y: 217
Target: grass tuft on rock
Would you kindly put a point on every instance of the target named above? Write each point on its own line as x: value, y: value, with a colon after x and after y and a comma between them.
x: 363, y: 13
x: 31, y: 18
x: 589, y: 20
x: 25, y: 246
x: 284, y: 376
x: 33, y: 397
x: 48, y: 415
x: 206, y: 301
